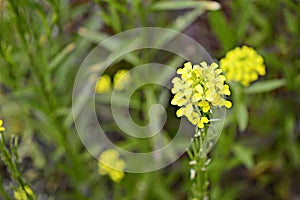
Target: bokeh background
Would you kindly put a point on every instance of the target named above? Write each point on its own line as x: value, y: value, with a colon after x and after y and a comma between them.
x: 43, y: 43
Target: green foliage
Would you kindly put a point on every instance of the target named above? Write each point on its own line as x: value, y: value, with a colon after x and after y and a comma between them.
x: 263, y: 111
x: 11, y: 160
x: 265, y: 86
x: 43, y: 43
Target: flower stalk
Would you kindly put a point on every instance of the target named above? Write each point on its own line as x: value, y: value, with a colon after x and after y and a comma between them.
x: 199, y: 166
x: 199, y: 89
x: 10, y: 157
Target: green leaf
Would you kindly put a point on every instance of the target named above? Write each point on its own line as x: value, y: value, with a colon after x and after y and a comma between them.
x: 245, y: 155
x: 93, y: 36
x: 242, y: 116
x: 265, y: 86
x: 179, y: 5
x: 223, y: 29
x: 184, y: 21
x: 291, y: 22
x: 263, y: 30
x: 61, y: 56
x: 243, y: 19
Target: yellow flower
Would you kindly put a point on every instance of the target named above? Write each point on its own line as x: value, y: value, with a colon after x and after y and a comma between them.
x: 103, y: 85
x: 197, y: 89
x: 110, y: 164
x: 24, y: 193
x: 2, y: 128
x: 186, y: 71
x: 243, y: 65
x: 121, y: 79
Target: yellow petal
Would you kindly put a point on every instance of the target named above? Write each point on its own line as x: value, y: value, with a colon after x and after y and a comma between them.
x: 175, y: 90
x: 179, y: 112
x: 180, y: 71
x: 261, y: 70
x: 204, y: 120
x: 188, y: 65
x: 174, y: 101
x: 225, y: 90
x: 188, y: 109
x: 221, y: 78
x: 203, y: 103
x: 103, y: 85
x: 206, y: 109
x: 218, y: 71
x: 188, y: 92
x: 176, y: 80
x: 228, y: 104
x: 214, y: 65
x: 199, y: 88
x: 182, y: 102
x: 203, y: 64
x: 196, y: 97
x: 193, y: 118
x: 200, y: 124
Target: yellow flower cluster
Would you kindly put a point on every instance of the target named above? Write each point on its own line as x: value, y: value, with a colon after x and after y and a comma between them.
x: 243, y: 65
x: 120, y: 80
x: 103, y: 85
x: 198, y: 88
x: 2, y: 128
x: 110, y: 164
x: 24, y: 193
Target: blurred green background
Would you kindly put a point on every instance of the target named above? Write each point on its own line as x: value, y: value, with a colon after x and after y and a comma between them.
x: 44, y: 42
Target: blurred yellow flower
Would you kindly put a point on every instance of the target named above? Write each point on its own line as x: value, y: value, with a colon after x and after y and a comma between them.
x: 243, y: 65
x: 2, y: 128
x: 103, y: 85
x: 121, y: 79
x: 24, y: 193
x: 110, y: 164
x: 197, y: 89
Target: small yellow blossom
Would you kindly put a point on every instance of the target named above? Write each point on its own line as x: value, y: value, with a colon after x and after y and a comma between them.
x: 2, y: 128
x: 103, y: 85
x: 110, y: 164
x: 24, y: 193
x: 121, y: 79
x: 243, y: 65
x: 197, y: 89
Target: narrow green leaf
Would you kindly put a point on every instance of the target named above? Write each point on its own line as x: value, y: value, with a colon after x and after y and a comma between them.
x: 292, y: 24
x: 179, y: 5
x: 61, y: 56
x: 223, y: 29
x: 92, y: 36
x: 243, y: 19
x: 265, y: 86
x: 182, y: 22
x: 115, y: 19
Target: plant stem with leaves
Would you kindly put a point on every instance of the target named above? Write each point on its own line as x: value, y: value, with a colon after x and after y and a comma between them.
x: 11, y: 159
x: 199, y: 164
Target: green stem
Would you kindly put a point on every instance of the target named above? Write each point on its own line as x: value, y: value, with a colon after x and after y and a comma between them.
x: 199, y: 166
x: 9, y: 158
